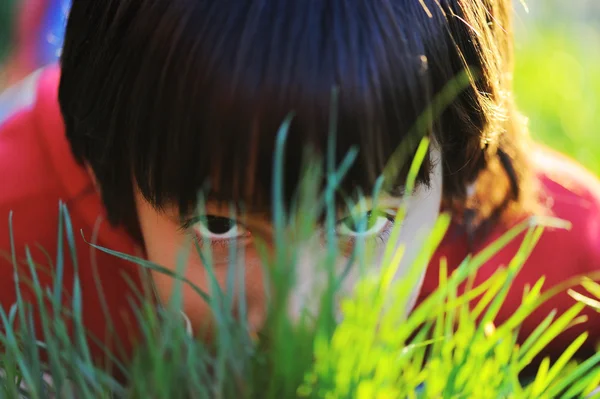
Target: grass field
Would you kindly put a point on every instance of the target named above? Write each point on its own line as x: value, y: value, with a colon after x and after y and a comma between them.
x: 557, y: 80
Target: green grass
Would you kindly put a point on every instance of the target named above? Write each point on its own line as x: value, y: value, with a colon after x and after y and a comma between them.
x: 441, y: 350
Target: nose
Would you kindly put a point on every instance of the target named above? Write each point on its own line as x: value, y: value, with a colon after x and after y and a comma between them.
x: 305, y: 261
x: 310, y: 283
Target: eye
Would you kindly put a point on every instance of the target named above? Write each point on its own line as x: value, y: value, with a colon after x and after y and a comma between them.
x: 218, y: 228
x: 371, y: 223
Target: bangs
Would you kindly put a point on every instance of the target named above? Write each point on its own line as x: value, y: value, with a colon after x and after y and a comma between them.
x: 223, y: 83
x: 183, y: 97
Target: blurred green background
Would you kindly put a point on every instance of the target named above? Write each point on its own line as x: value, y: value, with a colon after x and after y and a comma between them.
x: 557, y: 76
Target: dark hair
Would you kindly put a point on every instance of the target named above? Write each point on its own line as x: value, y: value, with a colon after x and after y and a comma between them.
x: 165, y: 94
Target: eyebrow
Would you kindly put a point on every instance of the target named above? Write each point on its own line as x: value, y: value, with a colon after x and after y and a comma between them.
x: 187, y: 221
x: 262, y: 216
x: 399, y: 191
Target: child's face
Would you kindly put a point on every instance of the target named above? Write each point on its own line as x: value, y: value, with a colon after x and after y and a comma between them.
x: 164, y: 239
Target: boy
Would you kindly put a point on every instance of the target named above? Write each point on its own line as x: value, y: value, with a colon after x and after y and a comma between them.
x: 157, y: 98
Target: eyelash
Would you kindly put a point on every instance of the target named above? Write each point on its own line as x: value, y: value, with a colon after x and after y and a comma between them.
x: 221, y: 243
x: 187, y: 227
x: 379, y: 239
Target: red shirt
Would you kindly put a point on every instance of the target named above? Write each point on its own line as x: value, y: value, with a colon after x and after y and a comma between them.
x: 38, y: 170
x: 570, y: 193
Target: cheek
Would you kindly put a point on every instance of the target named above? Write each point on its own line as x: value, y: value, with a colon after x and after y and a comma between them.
x: 422, y: 214
x: 420, y: 220
x: 167, y: 246
x: 229, y: 278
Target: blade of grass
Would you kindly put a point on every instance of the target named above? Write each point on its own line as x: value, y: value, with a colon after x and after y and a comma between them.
x: 152, y: 266
x: 562, y: 361
x: 526, y: 356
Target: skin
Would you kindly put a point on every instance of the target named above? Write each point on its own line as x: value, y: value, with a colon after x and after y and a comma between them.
x: 164, y: 239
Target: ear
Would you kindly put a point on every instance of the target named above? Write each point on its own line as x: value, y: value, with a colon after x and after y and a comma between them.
x: 92, y: 175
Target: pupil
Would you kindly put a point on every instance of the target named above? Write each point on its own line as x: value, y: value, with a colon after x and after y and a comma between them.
x: 219, y: 225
